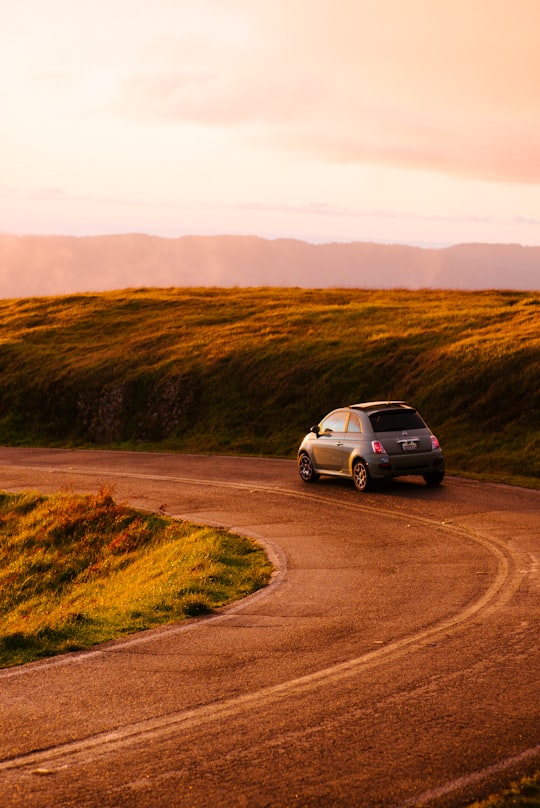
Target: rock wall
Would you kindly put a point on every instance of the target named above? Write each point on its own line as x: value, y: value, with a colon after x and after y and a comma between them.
x: 110, y: 414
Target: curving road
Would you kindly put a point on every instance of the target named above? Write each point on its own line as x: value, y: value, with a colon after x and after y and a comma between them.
x: 393, y: 661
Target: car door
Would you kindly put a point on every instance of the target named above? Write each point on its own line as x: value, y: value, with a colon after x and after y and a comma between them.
x: 347, y: 444
x: 327, y: 449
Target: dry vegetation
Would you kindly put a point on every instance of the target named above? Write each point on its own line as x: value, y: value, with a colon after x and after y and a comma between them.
x: 522, y: 794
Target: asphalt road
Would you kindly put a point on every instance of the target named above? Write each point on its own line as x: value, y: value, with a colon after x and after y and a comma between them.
x: 394, y: 659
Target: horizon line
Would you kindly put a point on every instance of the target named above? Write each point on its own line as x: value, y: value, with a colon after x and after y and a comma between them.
x: 299, y: 239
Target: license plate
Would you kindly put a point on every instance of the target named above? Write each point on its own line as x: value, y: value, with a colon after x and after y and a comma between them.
x: 409, y: 446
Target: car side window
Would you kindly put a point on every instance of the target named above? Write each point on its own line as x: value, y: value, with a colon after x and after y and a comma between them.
x: 354, y: 423
x: 335, y: 422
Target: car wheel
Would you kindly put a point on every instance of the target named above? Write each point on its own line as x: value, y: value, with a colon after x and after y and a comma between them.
x: 306, y: 470
x: 360, y: 475
x: 434, y: 478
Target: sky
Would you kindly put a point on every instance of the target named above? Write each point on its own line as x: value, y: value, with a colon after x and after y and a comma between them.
x: 400, y: 121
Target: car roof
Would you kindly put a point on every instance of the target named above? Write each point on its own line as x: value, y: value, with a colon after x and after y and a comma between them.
x: 377, y: 406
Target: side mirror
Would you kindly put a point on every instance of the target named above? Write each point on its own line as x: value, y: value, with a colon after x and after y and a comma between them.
x: 315, y: 429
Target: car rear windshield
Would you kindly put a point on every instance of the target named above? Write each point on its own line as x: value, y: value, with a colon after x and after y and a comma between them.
x: 396, y: 421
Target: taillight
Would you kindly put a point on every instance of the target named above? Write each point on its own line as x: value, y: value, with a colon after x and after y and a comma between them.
x: 435, y: 443
x: 377, y: 447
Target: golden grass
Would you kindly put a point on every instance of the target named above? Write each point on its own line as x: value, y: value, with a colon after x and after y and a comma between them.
x: 78, y: 570
x: 259, y: 366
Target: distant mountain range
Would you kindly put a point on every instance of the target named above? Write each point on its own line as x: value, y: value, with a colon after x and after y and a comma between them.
x: 52, y: 265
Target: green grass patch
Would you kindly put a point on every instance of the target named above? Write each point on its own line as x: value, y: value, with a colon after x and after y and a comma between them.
x: 76, y: 570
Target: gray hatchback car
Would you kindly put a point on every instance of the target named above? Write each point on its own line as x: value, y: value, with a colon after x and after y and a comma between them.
x: 371, y: 441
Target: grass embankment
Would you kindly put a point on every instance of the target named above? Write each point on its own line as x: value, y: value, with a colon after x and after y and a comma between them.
x: 78, y: 570
x: 249, y: 370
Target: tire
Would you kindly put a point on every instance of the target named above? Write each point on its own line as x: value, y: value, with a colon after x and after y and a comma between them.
x: 306, y: 470
x: 433, y: 478
x: 360, y: 475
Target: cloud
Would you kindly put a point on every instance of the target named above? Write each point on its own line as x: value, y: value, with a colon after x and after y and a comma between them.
x: 325, y: 209
x: 361, y: 116
x: 528, y: 220
x: 418, y: 84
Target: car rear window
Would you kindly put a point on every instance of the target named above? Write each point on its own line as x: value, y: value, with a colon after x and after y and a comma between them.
x: 396, y: 421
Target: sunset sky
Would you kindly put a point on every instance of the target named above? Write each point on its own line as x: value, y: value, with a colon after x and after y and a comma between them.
x: 407, y: 121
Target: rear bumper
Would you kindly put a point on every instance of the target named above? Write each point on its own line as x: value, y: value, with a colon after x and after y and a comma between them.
x: 385, y: 466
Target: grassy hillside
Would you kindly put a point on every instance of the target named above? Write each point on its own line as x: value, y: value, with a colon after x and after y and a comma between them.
x: 249, y: 370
